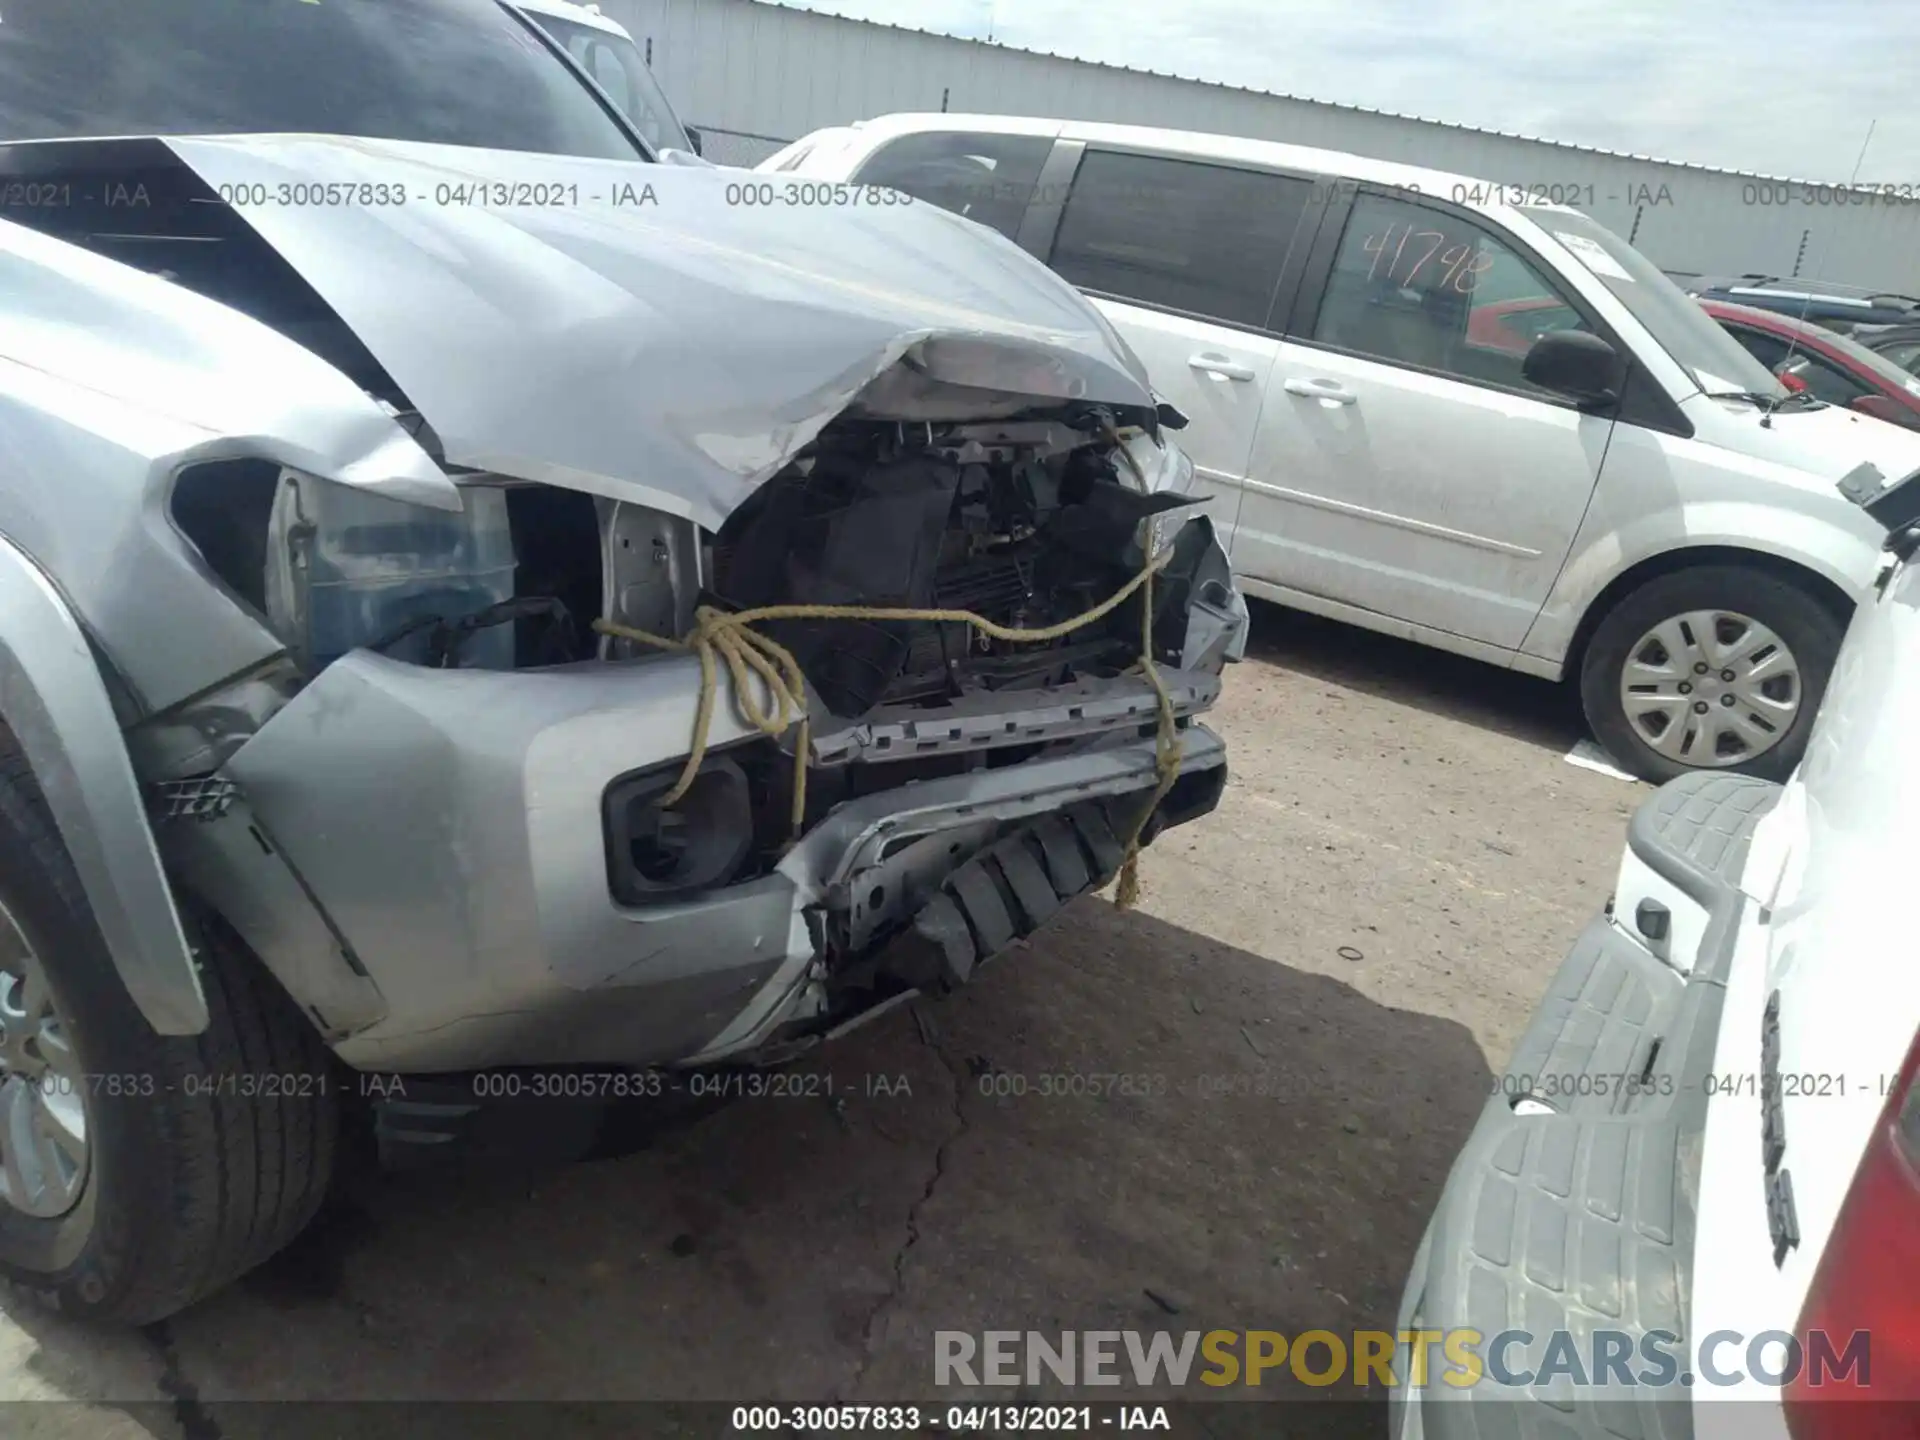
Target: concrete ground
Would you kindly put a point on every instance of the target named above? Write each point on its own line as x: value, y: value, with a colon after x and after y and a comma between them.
x: 1312, y: 999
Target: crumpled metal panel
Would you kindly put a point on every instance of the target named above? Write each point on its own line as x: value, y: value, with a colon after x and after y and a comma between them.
x: 111, y: 380
x: 164, y: 351
x: 857, y: 835
x: 653, y: 335
x: 987, y: 719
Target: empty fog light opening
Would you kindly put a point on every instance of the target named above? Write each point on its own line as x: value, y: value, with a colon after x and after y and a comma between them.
x: 657, y: 852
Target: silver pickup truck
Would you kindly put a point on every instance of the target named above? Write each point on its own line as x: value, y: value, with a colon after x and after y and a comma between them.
x: 324, y: 460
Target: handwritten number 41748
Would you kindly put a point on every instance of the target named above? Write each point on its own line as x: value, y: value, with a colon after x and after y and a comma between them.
x: 1415, y: 251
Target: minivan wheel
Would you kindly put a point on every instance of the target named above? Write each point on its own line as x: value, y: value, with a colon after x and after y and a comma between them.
x: 1720, y: 667
x: 139, y: 1172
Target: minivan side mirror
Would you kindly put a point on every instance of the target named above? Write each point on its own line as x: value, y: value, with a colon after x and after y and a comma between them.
x: 1578, y: 365
x: 695, y: 140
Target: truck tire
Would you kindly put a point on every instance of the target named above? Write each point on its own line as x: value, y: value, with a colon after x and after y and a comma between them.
x: 1714, y: 667
x: 141, y: 1171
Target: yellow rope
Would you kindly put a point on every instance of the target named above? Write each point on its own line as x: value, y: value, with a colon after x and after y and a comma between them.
x: 727, y: 636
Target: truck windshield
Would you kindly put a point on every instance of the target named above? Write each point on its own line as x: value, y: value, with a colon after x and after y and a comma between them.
x: 616, y: 67
x: 1715, y: 360
x: 450, y: 72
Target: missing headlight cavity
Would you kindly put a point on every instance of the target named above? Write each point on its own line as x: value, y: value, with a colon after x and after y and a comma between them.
x: 223, y: 508
x: 513, y: 580
x: 1025, y: 523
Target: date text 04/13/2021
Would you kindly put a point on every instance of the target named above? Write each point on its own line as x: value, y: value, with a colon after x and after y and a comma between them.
x: 487, y: 1084
x: 697, y: 1084
x: 965, y: 1419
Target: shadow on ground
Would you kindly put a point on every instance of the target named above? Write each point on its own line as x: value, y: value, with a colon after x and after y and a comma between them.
x: 1121, y: 1125
x: 1541, y: 712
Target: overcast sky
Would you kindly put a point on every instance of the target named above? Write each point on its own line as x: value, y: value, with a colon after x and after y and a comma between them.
x: 1745, y: 84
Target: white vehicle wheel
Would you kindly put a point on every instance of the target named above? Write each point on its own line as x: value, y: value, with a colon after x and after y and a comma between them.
x: 1720, y: 667
x: 1710, y: 688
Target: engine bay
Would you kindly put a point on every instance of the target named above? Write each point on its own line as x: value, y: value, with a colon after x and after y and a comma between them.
x: 1026, y: 523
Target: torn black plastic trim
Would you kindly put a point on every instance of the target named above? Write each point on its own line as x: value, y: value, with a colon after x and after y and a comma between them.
x: 1894, y: 506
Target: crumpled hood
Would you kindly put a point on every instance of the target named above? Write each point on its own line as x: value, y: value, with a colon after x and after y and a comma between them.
x: 648, y: 331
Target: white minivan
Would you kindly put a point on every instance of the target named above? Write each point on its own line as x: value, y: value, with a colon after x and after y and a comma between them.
x: 1429, y: 405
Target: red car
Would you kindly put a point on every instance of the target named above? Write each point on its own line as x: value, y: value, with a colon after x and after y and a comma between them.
x: 1830, y: 367
x: 1512, y: 326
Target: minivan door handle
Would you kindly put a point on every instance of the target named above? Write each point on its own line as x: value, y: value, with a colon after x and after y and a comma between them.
x: 1318, y: 389
x: 1216, y: 364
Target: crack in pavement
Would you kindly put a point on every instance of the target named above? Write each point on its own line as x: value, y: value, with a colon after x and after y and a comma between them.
x: 871, y: 1331
x: 189, y: 1410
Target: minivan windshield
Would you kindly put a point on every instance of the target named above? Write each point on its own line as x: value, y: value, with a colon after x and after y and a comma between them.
x: 1716, y: 361
x: 616, y: 67
x: 451, y: 72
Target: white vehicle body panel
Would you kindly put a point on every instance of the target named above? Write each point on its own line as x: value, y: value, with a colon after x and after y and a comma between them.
x: 1660, y: 1213
x: 1481, y: 521
x: 1217, y: 379
x: 1360, y: 496
x: 1824, y: 875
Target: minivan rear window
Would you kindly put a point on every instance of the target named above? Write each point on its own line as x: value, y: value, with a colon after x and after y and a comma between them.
x: 1179, y: 234
x: 987, y: 178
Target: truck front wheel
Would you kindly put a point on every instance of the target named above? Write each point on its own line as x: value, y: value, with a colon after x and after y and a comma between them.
x: 140, y: 1172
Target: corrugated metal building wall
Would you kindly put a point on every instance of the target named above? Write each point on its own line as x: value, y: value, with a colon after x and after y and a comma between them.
x: 756, y: 75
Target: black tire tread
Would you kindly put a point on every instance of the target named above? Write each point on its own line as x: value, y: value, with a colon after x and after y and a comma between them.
x: 243, y: 1174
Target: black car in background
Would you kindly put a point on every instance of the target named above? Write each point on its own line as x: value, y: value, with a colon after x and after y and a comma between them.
x: 1897, y: 344
x: 1837, y: 307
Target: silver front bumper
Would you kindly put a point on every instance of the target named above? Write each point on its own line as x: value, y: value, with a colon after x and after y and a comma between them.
x: 867, y: 848
x: 420, y: 856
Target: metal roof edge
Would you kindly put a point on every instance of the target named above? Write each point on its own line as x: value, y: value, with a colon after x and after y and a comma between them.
x: 791, y: 5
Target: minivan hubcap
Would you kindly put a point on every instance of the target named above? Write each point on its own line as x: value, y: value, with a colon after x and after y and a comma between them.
x: 43, y: 1115
x: 1710, y: 687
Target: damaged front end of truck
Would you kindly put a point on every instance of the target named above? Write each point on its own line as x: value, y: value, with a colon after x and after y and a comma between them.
x: 350, y: 507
